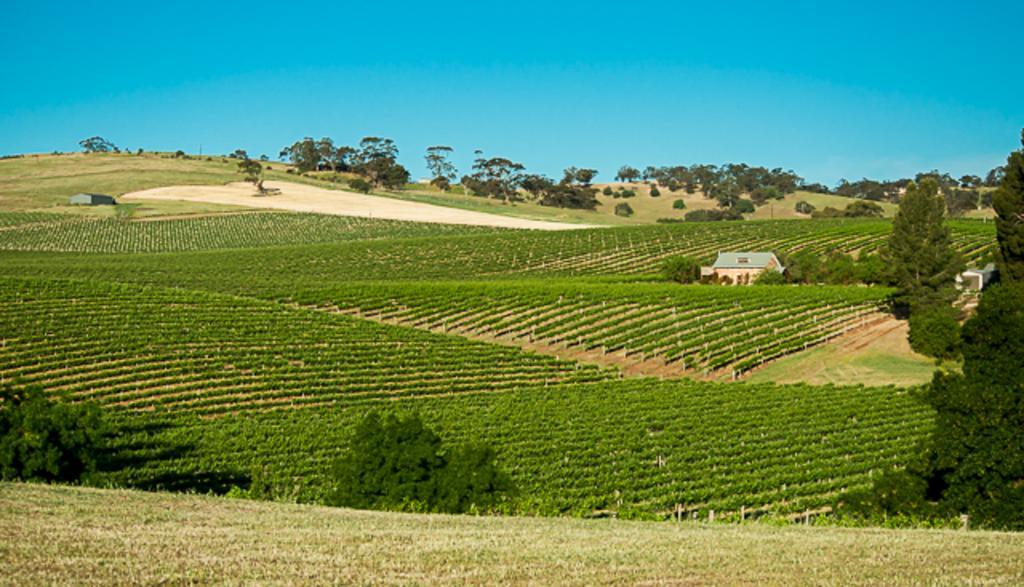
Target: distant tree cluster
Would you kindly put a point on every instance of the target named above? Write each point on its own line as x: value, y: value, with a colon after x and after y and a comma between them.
x: 713, y: 215
x: 507, y: 180
x: 961, y: 195
x: 858, y: 209
x: 726, y: 184
x: 443, y: 171
x: 376, y: 159
x: 834, y: 268
x: 495, y: 177
x: 573, y: 191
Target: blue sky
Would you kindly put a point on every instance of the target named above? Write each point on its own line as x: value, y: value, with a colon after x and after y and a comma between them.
x: 831, y: 90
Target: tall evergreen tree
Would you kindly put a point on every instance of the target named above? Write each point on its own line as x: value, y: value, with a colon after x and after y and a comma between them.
x: 920, y: 256
x: 1008, y: 203
x: 978, y: 457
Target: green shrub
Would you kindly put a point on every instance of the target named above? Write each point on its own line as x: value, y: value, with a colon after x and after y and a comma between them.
x: 360, y: 185
x: 43, y: 440
x: 743, y: 206
x: 623, y: 209
x: 655, y: 192
x: 712, y: 215
x: 803, y: 207
x: 681, y: 269
x: 607, y: 191
x: 770, y: 277
x: 679, y: 205
x: 398, y: 463
x: 934, y: 331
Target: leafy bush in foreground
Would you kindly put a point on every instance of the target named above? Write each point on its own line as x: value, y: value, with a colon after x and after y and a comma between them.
x: 43, y: 440
x: 399, y: 463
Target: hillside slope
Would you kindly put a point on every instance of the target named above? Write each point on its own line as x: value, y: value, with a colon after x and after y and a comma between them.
x: 44, y: 182
x: 67, y: 535
x: 297, y: 197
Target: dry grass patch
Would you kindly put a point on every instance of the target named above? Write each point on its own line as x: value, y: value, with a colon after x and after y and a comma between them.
x: 61, y: 535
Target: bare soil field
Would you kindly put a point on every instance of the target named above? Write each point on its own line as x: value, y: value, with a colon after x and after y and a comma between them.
x: 305, y: 198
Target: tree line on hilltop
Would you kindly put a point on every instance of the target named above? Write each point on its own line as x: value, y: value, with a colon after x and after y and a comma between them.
x: 737, y: 188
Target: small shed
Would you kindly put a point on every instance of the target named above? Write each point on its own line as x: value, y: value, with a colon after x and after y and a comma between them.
x: 976, y: 279
x: 93, y: 200
x: 743, y: 267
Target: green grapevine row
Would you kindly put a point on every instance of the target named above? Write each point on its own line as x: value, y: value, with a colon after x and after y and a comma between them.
x: 712, y: 330
x: 160, y: 349
x: 634, y: 447
x: 64, y: 233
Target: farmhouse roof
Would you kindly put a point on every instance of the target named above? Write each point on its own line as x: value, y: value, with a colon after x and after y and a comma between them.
x: 746, y: 260
x: 987, y: 270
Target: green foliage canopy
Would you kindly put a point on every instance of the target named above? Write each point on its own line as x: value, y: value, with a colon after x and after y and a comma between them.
x: 1008, y: 203
x: 43, y: 440
x: 682, y: 269
x: 978, y: 446
x: 398, y: 463
x: 919, y: 252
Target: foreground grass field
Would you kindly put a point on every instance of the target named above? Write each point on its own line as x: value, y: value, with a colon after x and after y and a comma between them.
x: 63, y: 535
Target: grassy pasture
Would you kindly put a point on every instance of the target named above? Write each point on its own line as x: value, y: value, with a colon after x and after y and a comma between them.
x: 67, y: 535
x: 44, y: 182
x: 882, y: 358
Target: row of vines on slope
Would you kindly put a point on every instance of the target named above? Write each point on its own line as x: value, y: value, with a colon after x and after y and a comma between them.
x: 705, y: 329
x: 634, y: 447
x: 66, y: 233
x: 145, y: 348
x: 278, y: 272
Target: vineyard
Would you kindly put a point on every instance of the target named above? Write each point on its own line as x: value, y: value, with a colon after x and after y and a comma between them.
x: 212, y: 389
x: 229, y: 367
x: 28, y: 231
x: 634, y: 447
x: 703, y: 329
x: 280, y: 272
x: 209, y: 354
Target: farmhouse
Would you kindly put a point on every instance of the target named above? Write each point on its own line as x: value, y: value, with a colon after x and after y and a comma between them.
x: 93, y: 200
x: 743, y: 267
x: 976, y: 279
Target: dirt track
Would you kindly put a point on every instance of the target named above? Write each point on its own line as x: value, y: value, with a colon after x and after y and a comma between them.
x: 304, y: 198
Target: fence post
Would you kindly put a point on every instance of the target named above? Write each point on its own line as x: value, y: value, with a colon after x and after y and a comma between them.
x: 743, y: 513
x: 711, y: 516
x: 965, y: 522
